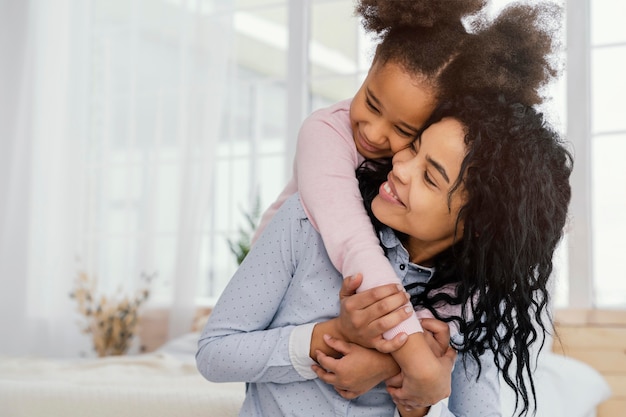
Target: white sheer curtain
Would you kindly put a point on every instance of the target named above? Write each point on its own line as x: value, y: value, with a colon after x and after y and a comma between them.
x: 110, y: 113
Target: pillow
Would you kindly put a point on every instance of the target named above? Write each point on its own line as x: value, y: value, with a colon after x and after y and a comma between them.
x: 581, y: 386
x: 565, y: 387
x: 182, y: 348
x: 549, y: 398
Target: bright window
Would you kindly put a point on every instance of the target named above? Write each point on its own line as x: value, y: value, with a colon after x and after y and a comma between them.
x: 608, y: 147
x: 270, y: 87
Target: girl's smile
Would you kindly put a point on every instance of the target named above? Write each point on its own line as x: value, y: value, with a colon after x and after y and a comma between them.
x: 389, y: 109
x: 365, y: 145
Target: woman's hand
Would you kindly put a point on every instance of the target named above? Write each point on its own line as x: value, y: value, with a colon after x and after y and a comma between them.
x: 364, y: 317
x: 426, y: 362
x: 357, y: 371
x: 413, y: 412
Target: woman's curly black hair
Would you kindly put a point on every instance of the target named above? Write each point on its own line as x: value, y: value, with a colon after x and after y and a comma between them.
x: 515, y: 178
x: 455, y: 48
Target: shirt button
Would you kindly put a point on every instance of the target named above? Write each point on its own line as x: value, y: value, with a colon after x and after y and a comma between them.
x: 402, y: 266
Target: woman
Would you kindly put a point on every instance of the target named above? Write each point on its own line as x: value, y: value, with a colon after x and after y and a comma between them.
x: 478, y: 205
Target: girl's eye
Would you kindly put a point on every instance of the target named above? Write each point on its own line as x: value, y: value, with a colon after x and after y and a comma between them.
x: 404, y: 133
x: 371, y: 105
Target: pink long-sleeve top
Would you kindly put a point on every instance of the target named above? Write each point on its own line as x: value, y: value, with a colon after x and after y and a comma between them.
x: 324, y: 175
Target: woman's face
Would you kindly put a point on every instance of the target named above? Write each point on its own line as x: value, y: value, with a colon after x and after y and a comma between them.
x: 389, y: 110
x: 415, y: 198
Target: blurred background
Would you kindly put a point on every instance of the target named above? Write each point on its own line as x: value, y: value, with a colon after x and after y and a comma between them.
x: 137, y: 135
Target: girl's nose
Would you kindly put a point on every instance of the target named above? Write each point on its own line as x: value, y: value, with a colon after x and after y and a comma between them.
x: 377, y: 133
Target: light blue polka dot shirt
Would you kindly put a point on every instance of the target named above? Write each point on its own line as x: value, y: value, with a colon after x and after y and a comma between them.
x: 260, y: 328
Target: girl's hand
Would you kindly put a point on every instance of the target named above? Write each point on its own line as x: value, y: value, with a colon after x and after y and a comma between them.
x: 437, y: 335
x: 426, y: 375
x: 357, y: 371
x: 364, y: 317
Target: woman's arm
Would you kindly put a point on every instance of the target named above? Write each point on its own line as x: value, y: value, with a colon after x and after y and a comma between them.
x: 242, y: 340
x: 357, y: 371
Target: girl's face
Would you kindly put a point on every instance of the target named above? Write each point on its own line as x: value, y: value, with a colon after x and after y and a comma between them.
x: 415, y: 198
x: 388, y: 110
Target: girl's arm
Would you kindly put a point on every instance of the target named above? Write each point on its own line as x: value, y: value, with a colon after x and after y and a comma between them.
x: 326, y: 160
x: 469, y: 396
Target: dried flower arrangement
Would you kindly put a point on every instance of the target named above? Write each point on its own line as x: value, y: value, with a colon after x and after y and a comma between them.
x: 111, y: 321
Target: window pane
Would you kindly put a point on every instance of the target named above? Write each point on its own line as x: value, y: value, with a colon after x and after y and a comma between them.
x: 326, y: 91
x: 270, y: 168
x: 250, y: 153
x: 609, y: 224
x: 560, y: 275
x: 243, y: 4
x: 261, y: 40
x: 335, y: 41
x: 608, y: 89
x: 607, y: 21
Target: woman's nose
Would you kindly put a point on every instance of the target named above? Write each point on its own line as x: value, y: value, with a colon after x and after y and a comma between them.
x: 402, y: 166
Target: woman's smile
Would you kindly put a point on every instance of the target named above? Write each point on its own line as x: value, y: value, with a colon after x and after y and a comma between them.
x: 416, y: 199
x: 387, y: 193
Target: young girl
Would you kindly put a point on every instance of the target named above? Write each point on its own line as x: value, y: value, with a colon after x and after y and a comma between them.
x: 424, y: 55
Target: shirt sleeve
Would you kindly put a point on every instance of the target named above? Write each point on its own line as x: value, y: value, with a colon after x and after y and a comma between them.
x: 299, y: 348
x: 238, y: 343
x: 434, y: 411
x: 326, y: 160
x: 472, y: 397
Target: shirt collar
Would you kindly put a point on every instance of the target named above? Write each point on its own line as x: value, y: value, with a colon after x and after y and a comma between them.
x: 391, y: 242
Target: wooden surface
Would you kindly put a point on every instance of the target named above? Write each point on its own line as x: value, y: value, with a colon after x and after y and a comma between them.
x: 153, y: 329
x: 598, y: 338
x: 153, y: 326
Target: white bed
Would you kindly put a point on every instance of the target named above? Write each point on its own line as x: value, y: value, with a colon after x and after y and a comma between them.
x: 166, y: 384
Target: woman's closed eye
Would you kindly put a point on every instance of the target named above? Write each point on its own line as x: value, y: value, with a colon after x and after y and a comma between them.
x: 428, y: 179
x: 415, y: 147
